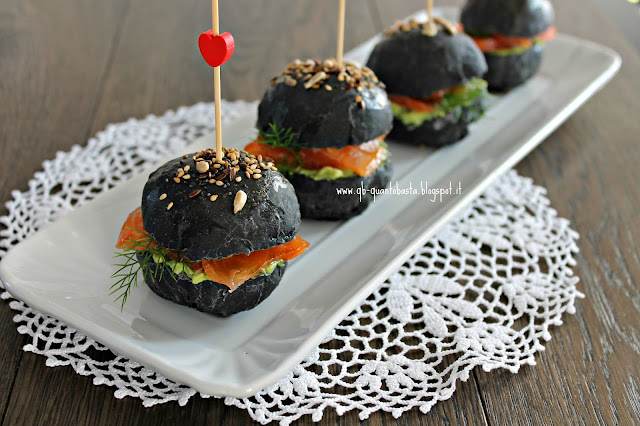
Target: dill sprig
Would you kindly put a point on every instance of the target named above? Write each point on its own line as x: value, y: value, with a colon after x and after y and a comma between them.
x: 283, y: 138
x: 279, y: 138
x: 127, y: 273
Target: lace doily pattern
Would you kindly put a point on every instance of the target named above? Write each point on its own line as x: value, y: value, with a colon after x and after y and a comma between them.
x: 484, y: 292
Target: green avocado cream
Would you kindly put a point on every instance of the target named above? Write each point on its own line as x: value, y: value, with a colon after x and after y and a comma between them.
x: 516, y: 50
x: 413, y: 119
x: 325, y: 173
x: 474, y: 89
x: 182, y: 267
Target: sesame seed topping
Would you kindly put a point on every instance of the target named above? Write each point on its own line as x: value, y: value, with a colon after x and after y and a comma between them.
x: 163, y: 196
x: 214, y: 171
x: 170, y: 205
x: 202, y: 166
x: 213, y: 198
x: 429, y: 29
x: 290, y: 81
x: 315, y: 74
x: 239, y: 201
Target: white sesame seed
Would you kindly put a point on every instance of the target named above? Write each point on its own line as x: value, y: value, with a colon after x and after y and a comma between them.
x: 202, y: 166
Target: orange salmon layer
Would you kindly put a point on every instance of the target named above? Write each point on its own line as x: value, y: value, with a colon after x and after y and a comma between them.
x: 361, y: 159
x: 231, y: 271
x: 427, y: 104
x: 500, y: 42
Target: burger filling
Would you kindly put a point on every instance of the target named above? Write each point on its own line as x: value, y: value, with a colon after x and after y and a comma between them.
x: 504, y: 46
x: 324, y: 163
x: 231, y: 271
x: 413, y: 112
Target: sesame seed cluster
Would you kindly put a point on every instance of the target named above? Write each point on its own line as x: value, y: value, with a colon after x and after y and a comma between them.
x: 427, y: 28
x: 317, y: 75
x: 206, y: 169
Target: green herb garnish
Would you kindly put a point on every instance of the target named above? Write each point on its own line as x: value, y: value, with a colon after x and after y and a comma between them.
x: 278, y: 138
x: 282, y: 138
x: 127, y: 274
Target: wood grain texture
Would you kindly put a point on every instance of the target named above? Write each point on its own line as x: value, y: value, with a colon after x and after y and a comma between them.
x: 53, y: 64
x: 589, y: 373
x: 101, y: 62
x: 157, y: 64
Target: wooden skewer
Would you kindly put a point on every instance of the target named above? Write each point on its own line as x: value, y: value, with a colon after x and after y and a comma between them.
x: 341, y: 32
x: 216, y: 84
x: 431, y: 28
x: 214, y: 17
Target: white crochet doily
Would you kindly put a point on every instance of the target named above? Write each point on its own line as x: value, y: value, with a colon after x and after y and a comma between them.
x: 483, y: 292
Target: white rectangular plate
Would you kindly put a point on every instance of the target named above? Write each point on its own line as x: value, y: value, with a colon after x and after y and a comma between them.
x: 64, y: 270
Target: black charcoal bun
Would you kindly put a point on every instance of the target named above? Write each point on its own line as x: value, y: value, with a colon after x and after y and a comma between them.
x: 508, y: 71
x: 440, y: 131
x: 205, y: 229
x: 415, y: 65
x: 320, y: 200
x: 209, y: 296
x: 516, y: 18
x: 322, y: 118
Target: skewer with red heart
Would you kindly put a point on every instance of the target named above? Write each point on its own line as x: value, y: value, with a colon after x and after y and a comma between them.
x: 216, y: 49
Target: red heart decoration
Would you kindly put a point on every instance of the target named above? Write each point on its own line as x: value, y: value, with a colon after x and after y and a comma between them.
x: 216, y: 50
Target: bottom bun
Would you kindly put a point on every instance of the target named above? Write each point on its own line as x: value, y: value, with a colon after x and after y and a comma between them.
x: 508, y: 71
x: 320, y: 199
x: 212, y: 297
x: 440, y: 131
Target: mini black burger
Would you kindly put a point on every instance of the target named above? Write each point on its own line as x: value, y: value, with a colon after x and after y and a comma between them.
x: 323, y: 125
x: 213, y: 234
x: 433, y: 78
x: 513, y: 36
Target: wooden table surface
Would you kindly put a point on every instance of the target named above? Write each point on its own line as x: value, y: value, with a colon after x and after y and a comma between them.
x: 67, y: 69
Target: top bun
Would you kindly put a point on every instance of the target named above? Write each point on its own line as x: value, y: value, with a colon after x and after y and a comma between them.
x: 185, y: 219
x: 518, y: 18
x: 326, y: 105
x: 413, y: 64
